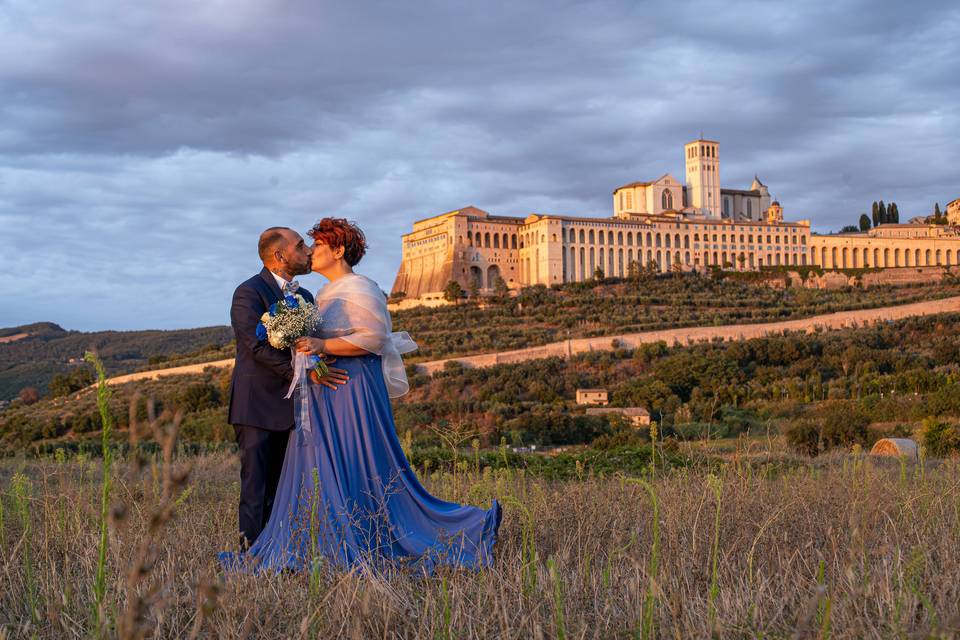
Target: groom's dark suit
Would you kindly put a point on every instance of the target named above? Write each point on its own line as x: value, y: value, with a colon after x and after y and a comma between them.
x: 260, y: 415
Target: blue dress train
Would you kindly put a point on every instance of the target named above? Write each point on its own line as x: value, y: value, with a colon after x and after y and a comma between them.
x: 347, y: 495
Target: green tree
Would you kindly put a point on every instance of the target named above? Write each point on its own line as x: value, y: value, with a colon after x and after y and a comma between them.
x: 936, y: 210
x: 844, y: 425
x: 453, y: 292
x: 864, y: 222
x: 473, y: 291
x: 633, y: 270
x: 65, y: 384
x: 849, y: 228
x: 199, y: 396
x: 882, y: 209
x: 894, y: 213
x: 875, y: 214
x: 598, y: 274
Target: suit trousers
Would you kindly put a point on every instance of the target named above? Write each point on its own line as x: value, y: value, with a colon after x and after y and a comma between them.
x: 261, y: 461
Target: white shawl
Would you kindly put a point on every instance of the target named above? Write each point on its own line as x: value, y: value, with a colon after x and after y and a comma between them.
x: 354, y: 308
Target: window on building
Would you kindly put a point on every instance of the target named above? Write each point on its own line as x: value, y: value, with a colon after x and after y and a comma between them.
x: 749, y: 208
x: 666, y: 199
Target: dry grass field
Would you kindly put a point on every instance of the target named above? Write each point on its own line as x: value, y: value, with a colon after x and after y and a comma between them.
x: 845, y: 547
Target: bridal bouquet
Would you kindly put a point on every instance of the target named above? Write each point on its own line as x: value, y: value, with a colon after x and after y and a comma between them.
x: 286, y: 320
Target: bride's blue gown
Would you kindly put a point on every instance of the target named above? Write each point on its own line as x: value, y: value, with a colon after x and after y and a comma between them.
x: 348, y: 497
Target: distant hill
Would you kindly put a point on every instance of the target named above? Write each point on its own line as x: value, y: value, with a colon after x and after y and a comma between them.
x: 30, y: 355
x: 537, y: 316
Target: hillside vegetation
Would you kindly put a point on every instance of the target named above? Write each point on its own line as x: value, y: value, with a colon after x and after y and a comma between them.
x: 819, y: 391
x: 538, y: 315
x: 48, y: 351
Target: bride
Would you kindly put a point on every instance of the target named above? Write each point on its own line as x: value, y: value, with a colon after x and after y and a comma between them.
x: 347, y: 494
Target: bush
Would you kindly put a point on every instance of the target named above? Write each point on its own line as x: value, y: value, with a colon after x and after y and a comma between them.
x: 29, y: 395
x: 623, y: 437
x: 940, y: 438
x: 844, y: 424
x: 199, y: 397
x: 804, y: 437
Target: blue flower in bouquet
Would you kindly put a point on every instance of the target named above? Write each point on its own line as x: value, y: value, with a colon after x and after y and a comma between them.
x: 261, y: 331
x: 291, y: 301
x: 273, y: 309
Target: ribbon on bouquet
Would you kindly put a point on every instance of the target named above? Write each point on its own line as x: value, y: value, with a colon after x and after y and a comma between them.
x: 302, y: 364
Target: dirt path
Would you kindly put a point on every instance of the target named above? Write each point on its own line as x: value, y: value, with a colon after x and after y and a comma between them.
x: 172, y: 371
x: 686, y: 335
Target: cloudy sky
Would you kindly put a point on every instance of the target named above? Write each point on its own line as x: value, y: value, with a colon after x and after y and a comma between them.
x: 144, y: 145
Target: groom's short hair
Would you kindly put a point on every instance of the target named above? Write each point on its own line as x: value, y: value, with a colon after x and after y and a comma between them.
x: 270, y: 239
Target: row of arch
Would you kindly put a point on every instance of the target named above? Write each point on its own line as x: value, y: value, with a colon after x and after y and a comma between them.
x: 861, y: 257
x: 492, y: 241
x: 513, y: 241
x: 581, y: 263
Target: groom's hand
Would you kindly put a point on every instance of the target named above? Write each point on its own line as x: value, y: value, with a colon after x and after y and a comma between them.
x: 333, y: 378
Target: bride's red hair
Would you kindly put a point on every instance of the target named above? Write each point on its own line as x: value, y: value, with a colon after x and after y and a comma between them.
x: 338, y: 232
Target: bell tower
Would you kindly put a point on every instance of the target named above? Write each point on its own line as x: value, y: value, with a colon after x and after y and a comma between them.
x: 702, y: 159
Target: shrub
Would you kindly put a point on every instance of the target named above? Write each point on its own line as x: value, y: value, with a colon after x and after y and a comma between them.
x: 198, y: 397
x: 844, y: 424
x: 804, y: 437
x: 623, y: 437
x: 29, y: 395
x: 940, y: 438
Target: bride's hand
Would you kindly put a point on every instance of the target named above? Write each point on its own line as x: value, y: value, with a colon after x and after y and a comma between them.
x: 309, y: 345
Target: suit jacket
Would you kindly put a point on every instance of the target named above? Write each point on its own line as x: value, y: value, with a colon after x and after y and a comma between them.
x: 261, y: 374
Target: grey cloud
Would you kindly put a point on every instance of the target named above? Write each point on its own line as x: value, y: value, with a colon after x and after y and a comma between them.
x: 143, y: 148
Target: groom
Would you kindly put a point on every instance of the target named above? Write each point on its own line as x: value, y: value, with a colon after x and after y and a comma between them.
x: 261, y: 417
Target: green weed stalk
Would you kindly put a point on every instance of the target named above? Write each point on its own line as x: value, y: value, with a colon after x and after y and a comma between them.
x: 106, y: 419
x: 446, y: 633
x: 650, y: 602
x: 21, y: 496
x: 314, y: 534
x: 558, y: 612
x: 716, y: 485
x: 824, y: 604
x: 528, y: 548
x: 3, y: 528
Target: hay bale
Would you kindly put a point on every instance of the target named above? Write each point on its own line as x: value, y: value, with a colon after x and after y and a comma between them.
x: 896, y: 447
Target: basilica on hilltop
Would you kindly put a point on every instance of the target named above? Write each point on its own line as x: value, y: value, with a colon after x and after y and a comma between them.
x: 663, y: 224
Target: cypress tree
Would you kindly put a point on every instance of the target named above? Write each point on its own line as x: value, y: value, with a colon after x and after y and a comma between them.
x: 882, y: 208
x: 894, y: 213
x: 875, y: 212
x: 864, y: 222
x: 936, y: 211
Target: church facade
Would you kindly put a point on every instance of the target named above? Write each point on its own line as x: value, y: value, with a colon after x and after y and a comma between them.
x: 664, y: 225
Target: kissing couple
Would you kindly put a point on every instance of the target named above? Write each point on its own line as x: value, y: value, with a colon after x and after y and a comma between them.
x: 323, y: 478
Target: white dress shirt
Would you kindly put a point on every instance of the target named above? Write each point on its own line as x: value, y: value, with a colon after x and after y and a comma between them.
x: 280, y: 282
